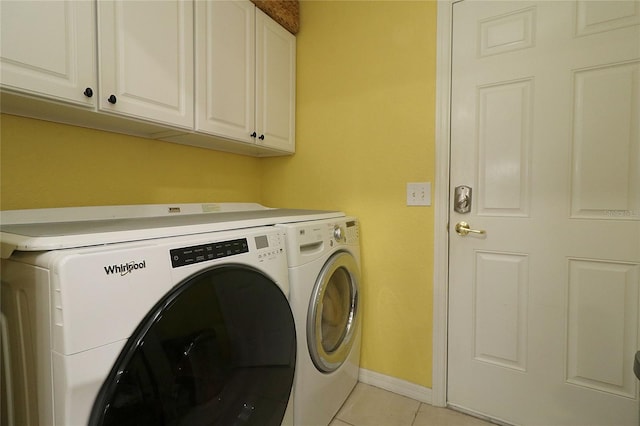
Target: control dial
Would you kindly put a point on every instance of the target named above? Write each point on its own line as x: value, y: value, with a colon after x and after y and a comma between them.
x: 338, y: 233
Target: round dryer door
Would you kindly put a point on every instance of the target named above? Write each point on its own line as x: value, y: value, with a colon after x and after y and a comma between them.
x: 219, y: 349
x: 333, y: 312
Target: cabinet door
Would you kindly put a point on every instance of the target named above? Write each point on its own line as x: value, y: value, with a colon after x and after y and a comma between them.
x: 145, y: 51
x: 275, y: 84
x: 225, y: 69
x: 48, y: 49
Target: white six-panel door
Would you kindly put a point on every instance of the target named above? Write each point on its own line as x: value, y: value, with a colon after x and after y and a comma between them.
x: 545, y: 127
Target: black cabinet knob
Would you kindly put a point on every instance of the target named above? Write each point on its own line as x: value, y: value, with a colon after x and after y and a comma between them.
x: 88, y: 92
x: 261, y: 137
x: 253, y: 135
x: 112, y: 99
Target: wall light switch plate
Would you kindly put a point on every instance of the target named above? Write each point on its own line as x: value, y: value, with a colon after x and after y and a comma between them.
x: 418, y: 193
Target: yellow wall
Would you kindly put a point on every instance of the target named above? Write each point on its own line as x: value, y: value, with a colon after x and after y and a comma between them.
x: 45, y: 164
x: 365, y: 127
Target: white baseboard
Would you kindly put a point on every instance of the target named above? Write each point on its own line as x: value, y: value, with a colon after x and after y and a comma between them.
x: 395, y: 385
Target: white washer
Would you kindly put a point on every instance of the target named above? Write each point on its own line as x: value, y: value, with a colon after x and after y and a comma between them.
x: 156, y: 319
x: 324, y: 277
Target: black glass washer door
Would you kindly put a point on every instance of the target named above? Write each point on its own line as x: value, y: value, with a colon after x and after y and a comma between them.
x: 219, y: 349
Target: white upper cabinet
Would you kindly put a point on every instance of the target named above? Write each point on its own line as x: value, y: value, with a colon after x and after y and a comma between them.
x: 48, y: 49
x: 145, y: 51
x: 245, y: 75
x: 225, y: 79
x: 275, y: 84
x: 141, y: 68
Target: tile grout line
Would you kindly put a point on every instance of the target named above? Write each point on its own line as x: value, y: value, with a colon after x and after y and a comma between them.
x: 415, y: 416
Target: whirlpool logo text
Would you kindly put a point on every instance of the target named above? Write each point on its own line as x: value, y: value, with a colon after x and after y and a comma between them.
x: 125, y: 268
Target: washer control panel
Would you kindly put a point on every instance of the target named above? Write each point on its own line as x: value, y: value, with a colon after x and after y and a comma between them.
x: 345, y: 232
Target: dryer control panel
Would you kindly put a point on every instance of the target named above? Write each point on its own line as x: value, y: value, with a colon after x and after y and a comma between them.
x: 203, y: 252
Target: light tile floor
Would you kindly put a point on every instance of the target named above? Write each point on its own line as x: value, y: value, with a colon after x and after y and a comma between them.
x: 371, y: 406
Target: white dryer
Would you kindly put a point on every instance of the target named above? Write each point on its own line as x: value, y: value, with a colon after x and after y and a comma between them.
x: 324, y: 277
x: 170, y: 319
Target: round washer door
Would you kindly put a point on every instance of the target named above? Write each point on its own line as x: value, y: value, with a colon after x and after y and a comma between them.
x: 333, y: 312
x: 219, y: 349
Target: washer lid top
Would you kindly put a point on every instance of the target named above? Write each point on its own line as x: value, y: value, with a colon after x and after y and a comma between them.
x: 38, y: 235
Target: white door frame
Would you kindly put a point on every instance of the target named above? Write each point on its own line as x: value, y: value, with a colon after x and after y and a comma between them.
x: 441, y: 234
